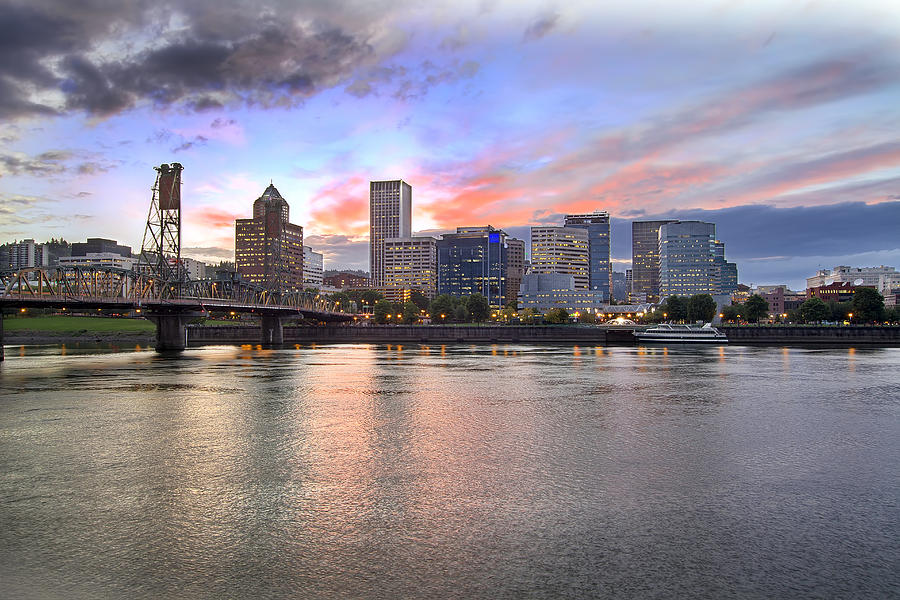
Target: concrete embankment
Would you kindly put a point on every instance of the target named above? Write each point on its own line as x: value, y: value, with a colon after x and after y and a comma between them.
x: 416, y: 334
x: 805, y: 334
x: 450, y: 334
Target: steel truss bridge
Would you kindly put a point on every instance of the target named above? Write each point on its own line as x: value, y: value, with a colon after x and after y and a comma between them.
x: 158, y: 287
x: 109, y: 287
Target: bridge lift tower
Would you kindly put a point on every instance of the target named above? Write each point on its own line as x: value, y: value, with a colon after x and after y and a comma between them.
x: 161, y: 257
x: 161, y: 248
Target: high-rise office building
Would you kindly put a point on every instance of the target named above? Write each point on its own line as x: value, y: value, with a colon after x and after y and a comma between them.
x: 515, y: 268
x: 724, y: 272
x: 599, y: 258
x: 390, y: 216
x: 313, y: 267
x: 473, y: 260
x: 645, y: 260
x: 561, y: 250
x: 687, y: 259
x: 268, y: 249
x: 22, y: 255
x: 411, y: 264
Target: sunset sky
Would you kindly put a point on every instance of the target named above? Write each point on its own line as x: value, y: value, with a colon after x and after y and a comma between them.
x: 779, y: 121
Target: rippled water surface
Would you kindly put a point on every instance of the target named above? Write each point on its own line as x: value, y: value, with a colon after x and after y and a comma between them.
x: 376, y: 471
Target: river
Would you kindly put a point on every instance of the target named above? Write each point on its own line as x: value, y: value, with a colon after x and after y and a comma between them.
x: 506, y: 471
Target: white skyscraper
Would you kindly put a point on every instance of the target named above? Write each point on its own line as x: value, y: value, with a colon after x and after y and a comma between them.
x: 390, y: 216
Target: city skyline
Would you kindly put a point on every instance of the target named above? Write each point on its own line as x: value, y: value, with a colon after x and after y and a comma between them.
x: 774, y: 121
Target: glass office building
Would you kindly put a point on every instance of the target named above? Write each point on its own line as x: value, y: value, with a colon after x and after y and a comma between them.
x: 473, y: 260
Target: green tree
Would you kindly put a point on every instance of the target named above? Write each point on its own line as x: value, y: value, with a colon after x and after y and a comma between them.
x: 527, y: 315
x: 441, y: 308
x: 382, y: 310
x: 814, y: 310
x: 675, y: 308
x: 701, y: 307
x: 839, y: 310
x: 461, y: 313
x: 478, y: 307
x: 341, y: 297
x: 410, y: 313
x: 892, y: 315
x: 731, y: 312
x: 557, y: 316
x: 587, y: 317
x: 867, y: 305
x: 419, y: 298
x: 755, y: 308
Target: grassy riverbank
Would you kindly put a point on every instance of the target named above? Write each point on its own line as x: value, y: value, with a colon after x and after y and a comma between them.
x: 66, y: 329
x: 59, y: 324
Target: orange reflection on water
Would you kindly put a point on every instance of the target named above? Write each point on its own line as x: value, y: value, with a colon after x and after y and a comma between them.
x: 343, y: 429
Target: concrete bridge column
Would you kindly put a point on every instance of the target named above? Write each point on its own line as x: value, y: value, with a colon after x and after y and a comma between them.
x: 272, y: 330
x: 171, y: 333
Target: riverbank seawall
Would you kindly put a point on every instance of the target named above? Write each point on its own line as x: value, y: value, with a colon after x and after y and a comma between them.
x: 804, y: 334
x: 450, y: 334
x: 857, y: 335
x: 392, y: 334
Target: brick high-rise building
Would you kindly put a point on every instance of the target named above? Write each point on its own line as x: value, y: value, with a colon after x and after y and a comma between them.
x: 268, y: 249
x: 515, y: 268
x: 390, y: 216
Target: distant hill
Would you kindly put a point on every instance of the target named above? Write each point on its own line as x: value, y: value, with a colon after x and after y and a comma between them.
x: 352, y: 271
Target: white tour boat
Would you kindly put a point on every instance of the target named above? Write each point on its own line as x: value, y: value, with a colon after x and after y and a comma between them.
x: 665, y: 332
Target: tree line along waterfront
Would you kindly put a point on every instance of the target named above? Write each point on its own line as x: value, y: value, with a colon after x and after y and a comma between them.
x: 866, y: 306
x: 369, y: 306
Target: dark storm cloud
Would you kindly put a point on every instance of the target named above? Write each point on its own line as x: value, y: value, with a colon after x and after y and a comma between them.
x: 47, y: 163
x: 540, y: 27
x: 197, y: 140
x: 223, y: 52
x: 52, y: 162
x: 759, y: 231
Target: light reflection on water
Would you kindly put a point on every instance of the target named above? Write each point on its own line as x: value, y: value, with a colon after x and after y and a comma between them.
x: 450, y: 471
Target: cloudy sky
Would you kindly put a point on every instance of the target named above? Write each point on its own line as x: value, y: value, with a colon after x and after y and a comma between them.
x: 779, y: 121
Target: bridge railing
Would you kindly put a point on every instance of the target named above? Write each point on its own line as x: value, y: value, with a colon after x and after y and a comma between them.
x: 82, y: 284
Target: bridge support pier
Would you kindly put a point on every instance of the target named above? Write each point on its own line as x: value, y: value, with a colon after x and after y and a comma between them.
x: 171, y: 333
x: 272, y: 330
